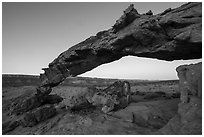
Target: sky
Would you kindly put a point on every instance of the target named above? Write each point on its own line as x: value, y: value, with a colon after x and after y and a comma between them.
x: 34, y: 34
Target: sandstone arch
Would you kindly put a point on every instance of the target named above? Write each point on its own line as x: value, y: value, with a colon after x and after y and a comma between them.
x: 172, y: 35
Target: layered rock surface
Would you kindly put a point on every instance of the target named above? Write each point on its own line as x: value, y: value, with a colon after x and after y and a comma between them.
x: 188, y: 120
x: 29, y: 109
x: 172, y: 35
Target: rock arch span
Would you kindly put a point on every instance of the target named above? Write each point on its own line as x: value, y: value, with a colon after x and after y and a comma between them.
x: 171, y: 35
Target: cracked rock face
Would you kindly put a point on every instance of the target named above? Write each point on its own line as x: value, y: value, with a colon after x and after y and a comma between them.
x: 26, y: 102
x: 114, y: 97
x: 172, y: 35
x: 190, y: 81
x: 189, y: 117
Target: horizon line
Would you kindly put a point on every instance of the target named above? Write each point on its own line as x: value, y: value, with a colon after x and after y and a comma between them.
x: 22, y: 74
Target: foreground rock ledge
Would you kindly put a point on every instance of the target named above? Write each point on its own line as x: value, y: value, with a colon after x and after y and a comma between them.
x: 172, y: 35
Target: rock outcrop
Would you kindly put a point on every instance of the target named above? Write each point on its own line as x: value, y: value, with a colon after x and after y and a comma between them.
x: 190, y: 81
x: 172, y: 35
x: 30, y: 109
x: 26, y: 102
x: 111, y: 98
x: 189, y: 117
x: 30, y: 118
x: 115, y: 97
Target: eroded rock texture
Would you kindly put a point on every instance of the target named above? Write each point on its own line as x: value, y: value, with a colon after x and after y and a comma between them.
x: 113, y: 97
x: 189, y: 117
x: 30, y: 118
x: 27, y: 102
x: 38, y: 115
x: 190, y: 81
x: 172, y: 35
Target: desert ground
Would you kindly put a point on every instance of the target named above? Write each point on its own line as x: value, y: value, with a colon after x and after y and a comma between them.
x: 155, y: 110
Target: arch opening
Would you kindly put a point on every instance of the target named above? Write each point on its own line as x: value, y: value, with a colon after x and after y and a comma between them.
x: 131, y: 67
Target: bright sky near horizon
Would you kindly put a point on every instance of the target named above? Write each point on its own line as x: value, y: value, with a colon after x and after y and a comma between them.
x: 34, y: 34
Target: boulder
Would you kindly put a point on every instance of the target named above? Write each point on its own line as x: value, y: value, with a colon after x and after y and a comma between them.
x: 116, y: 96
